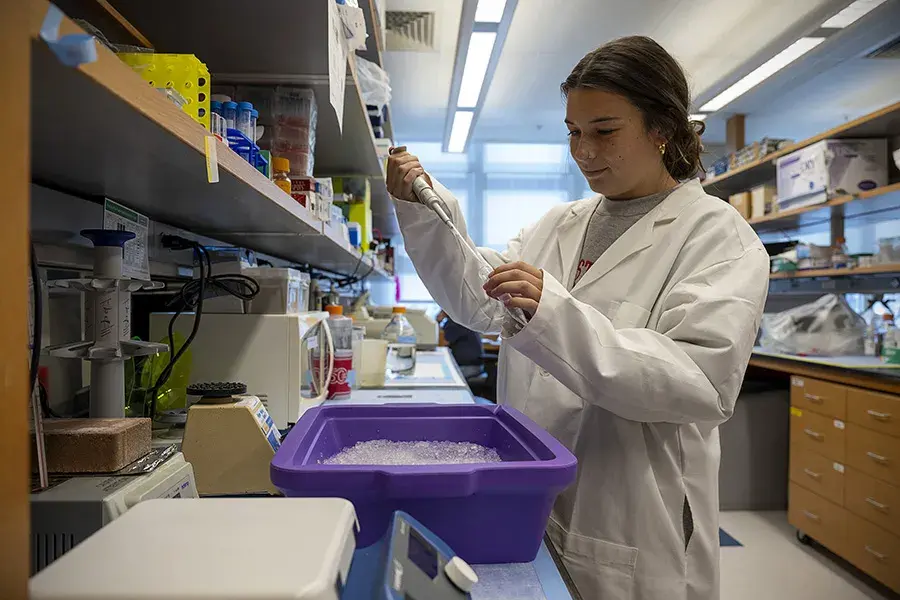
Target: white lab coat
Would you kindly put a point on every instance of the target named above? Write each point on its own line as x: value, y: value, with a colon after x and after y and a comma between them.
x: 633, y: 370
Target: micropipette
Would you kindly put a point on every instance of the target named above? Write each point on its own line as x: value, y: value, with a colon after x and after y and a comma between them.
x: 427, y: 196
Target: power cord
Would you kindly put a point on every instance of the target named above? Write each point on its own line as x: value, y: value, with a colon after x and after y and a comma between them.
x: 191, y: 298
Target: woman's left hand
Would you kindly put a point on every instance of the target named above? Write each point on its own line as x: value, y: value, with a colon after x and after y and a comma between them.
x: 523, y: 282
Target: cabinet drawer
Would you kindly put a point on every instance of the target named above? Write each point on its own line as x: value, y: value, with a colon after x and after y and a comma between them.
x: 822, y: 397
x: 822, y: 435
x: 873, y: 453
x: 878, y: 412
x: 873, y: 550
x: 818, y: 518
x: 817, y: 474
x: 874, y: 500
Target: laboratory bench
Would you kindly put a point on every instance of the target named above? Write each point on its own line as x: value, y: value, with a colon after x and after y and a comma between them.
x: 844, y: 457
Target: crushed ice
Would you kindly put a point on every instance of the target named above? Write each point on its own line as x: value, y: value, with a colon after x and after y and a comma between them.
x: 386, y: 452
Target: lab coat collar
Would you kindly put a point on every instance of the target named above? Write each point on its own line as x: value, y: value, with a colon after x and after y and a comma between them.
x: 637, y: 238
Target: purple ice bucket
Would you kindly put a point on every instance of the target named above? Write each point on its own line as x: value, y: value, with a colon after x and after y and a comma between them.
x: 487, y: 513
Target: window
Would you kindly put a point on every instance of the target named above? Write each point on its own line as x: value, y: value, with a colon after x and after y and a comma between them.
x: 507, y: 212
x: 525, y: 158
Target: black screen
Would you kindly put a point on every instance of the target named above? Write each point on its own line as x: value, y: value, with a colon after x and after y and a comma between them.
x: 422, y: 554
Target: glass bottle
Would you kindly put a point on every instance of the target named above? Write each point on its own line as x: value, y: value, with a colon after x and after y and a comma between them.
x: 401, y: 339
x: 281, y: 168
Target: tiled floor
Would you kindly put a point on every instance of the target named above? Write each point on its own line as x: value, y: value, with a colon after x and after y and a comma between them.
x: 773, y: 565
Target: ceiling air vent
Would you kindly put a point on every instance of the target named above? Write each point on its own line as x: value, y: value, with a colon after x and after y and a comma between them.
x: 889, y: 50
x: 410, y: 31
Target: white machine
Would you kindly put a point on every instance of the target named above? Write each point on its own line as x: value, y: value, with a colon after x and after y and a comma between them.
x: 263, y: 351
x: 66, y: 514
x: 426, y: 327
x: 308, y: 545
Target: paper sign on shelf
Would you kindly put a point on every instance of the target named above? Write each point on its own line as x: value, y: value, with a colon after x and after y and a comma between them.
x: 71, y: 50
x: 135, y: 262
x: 337, y: 63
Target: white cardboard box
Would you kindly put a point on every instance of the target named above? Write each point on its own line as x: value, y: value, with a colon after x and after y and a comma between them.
x: 830, y: 168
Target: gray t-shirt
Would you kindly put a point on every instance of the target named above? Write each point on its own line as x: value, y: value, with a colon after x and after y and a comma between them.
x: 610, y: 220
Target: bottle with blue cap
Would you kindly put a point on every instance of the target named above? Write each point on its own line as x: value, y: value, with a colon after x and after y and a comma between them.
x: 243, y: 119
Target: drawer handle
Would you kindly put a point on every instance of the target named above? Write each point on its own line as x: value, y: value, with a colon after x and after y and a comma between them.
x: 814, y: 398
x: 812, y: 474
x: 877, y: 458
x: 877, y: 504
x: 813, y: 434
x: 811, y: 516
x: 879, y: 416
x: 876, y: 554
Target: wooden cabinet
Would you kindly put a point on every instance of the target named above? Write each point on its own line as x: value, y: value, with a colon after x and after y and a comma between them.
x: 844, y: 489
x: 824, y: 521
x: 874, y: 453
x: 817, y: 433
x: 876, y: 501
x: 878, y: 412
x: 817, y: 474
x: 873, y: 550
x: 825, y: 398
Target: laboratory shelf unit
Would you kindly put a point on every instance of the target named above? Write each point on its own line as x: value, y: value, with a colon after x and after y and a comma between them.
x: 268, y: 42
x: 811, y: 273
x: 98, y: 130
x: 872, y: 202
x: 881, y: 123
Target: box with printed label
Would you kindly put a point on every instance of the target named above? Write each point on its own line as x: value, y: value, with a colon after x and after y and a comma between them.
x: 741, y: 201
x: 763, y: 201
x: 831, y: 168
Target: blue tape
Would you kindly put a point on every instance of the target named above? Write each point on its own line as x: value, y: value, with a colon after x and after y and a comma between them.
x: 71, y: 50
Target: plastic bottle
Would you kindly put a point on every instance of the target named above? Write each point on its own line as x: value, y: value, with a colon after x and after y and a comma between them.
x: 229, y: 111
x: 870, y: 341
x: 401, y: 338
x: 254, y: 117
x: 839, y: 257
x: 281, y: 173
x: 342, y: 337
x: 243, y: 119
x: 215, y: 107
x: 889, y: 341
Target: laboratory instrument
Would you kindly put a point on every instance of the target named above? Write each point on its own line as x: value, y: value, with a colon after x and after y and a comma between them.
x: 309, y: 545
x: 459, y: 503
x: 401, y: 339
x: 427, y: 196
x: 230, y: 439
x: 264, y: 351
x: 108, y: 342
x: 68, y: 513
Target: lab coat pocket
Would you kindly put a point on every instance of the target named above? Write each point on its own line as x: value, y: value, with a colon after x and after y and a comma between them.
x: 599, y: 568
x: 630, y: 316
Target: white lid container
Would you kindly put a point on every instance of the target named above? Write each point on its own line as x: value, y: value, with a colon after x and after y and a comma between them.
x: 281, y: 291
x: 290, y: 548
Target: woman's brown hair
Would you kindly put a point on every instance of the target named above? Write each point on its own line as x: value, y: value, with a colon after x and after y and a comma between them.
x: 643, y: 72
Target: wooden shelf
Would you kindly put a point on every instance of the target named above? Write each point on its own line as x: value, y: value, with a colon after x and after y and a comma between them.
x: 881, y: 123
x: 810, y: 273
x: 818, y: 213
x: 100, y: 131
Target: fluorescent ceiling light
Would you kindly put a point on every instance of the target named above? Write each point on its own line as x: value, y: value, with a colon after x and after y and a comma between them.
x: 697, y: 117
x: 763, y: 72
x: 481, y: 45
x: 459, y: 132
x: 489, y: 11
x: 852, y: 13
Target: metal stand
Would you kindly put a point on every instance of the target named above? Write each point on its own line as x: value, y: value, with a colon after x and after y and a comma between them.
x: 107, y: 323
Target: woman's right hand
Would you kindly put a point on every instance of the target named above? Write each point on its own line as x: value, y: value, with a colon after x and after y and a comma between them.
x: 402, y: 170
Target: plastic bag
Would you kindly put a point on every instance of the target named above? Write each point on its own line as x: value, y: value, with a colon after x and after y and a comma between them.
x: 826, y: 327
x: 374, y: 83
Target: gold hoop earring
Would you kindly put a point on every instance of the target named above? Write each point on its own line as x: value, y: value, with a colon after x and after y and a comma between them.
x: 662, y: 148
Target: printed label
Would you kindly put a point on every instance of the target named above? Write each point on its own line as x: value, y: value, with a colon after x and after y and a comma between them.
x: 135, y: 262
x: 838, y: 424
x: 313, y: 342
x: 796, y: 412
x: 212, y: 159
x: 796, y: 382
x: 839, y: 467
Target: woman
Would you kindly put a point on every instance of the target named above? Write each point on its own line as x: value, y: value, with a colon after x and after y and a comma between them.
x: 643, y: 305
